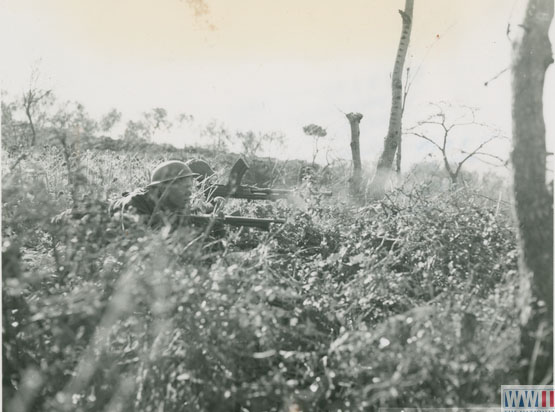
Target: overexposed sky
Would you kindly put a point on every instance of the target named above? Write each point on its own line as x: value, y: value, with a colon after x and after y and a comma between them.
x: 267, y: 65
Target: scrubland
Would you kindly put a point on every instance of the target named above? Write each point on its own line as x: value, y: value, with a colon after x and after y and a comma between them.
x: 411, y: 301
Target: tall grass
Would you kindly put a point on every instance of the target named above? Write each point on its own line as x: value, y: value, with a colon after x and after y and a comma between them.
x: 411, y: 301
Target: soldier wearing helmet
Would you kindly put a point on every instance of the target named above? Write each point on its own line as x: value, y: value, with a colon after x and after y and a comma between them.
x: 201, y: 168
x: 166, y: 197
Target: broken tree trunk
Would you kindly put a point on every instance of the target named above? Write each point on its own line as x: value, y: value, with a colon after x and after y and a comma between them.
x: 533, y: 202
x: 385, y: 163
x: 356, y: 179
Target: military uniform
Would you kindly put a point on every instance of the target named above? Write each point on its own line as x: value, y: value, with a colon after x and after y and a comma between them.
x: 139, y: 206
x: 139, y: 201
x: 163, y: 201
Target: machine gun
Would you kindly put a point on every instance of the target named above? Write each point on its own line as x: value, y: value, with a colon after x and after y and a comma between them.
x: 262, y: 224
x: 236, y: 190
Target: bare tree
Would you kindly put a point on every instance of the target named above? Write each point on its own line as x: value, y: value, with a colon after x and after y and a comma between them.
x: 441, y: 138
x: 31, y: 100
x: 532, y: 55
x: 391, y: 142
x: 354, y: 121
x: 410, y: 76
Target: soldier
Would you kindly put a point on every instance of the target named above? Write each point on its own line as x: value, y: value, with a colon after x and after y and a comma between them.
x: 201, y: 168
x: 164, y: 199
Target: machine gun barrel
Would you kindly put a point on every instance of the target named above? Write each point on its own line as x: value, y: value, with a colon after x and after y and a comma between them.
x: 259, y: 223
x: 252, y: 192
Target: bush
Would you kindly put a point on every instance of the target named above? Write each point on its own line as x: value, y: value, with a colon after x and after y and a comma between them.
x: 405, y: 302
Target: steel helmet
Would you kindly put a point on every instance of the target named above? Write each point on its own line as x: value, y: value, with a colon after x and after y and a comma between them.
x: 170, y: 171
x: 200, y: 167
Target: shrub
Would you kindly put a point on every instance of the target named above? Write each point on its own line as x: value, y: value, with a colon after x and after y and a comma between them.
x: 409, y: 301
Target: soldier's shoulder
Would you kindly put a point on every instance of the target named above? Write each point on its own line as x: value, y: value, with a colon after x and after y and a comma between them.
x: 138, y: 200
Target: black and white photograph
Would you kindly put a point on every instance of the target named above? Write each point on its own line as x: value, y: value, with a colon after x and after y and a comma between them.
x: 277, y: 206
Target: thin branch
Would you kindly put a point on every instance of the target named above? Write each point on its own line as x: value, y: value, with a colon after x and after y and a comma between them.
x: 472, y: 111
x: 493, y: 200
x: 490, y: 163
x: 498, y: 74
x: 431, y: 122
x: 471, y: 123
x: 473, y: 153
x: 340, y: 110
x: 425, y: 138
x: 445, y: 134
x: 503, y: 161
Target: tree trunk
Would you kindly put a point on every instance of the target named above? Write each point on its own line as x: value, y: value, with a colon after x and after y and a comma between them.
x: 356, y: 179
x: 391, y: 142
x: 398, y: 157
x: 452, y: 175
x: 533, y: 202
x: 33, y: 132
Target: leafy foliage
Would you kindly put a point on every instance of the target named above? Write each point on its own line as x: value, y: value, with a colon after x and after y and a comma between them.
x: 109, y: 120
x: 409, y: 301
x: 315, y: 130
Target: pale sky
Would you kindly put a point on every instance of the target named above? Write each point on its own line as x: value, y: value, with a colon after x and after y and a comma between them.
x: 267, y: 65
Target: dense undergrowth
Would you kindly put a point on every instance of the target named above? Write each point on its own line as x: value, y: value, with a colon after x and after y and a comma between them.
x: 410, y: 301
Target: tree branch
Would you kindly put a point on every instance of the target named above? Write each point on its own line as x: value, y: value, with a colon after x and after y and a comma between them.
x: 473, y: 153
x: 504, y: 162
x: 425, y: 138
